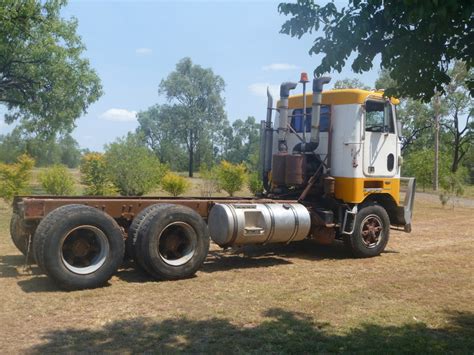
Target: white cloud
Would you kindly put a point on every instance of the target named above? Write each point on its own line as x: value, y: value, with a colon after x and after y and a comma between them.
x: 279, y: 67
x: 143, y: 51
x: 119, y: 115
x: 260, y: 89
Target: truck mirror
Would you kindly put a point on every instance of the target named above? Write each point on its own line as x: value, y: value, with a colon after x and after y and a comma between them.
x: 399, y: 128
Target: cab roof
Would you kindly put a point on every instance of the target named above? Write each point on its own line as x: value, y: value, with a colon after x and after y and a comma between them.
x: 339, y: 97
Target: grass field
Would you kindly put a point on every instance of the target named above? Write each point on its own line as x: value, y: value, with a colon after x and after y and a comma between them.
x: 418, y: 296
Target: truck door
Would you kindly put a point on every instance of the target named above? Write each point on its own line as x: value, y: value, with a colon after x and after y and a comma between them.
x: 380, y: 140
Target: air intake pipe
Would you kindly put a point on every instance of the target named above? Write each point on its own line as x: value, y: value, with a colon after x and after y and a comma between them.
x: 285, y: 89
x: 316, y: 111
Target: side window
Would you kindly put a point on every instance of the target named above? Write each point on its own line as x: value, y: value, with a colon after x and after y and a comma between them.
x: 379, y: 117
x: 297, y: 119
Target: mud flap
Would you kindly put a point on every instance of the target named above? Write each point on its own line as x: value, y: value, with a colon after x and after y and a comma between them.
x: 408, y: 203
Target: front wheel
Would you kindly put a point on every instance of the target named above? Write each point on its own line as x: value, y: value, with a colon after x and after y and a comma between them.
x: 371, y: 232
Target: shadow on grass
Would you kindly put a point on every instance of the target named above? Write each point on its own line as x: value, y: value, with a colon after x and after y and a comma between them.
x: 280, y: 332
x: 305, y: 249
x: 246, y: 257
x: 222, y: 261
x: 13, y: 265
x: 40, y: 283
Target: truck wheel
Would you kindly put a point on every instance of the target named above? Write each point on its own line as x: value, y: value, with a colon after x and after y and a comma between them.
x: 20, y: 236
x: 172, y: 242
x: 78, y: 246
x: 371, y: 232
x: 133, y: 229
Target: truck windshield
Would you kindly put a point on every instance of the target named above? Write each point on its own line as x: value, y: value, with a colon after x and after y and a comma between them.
x: 378, y: 117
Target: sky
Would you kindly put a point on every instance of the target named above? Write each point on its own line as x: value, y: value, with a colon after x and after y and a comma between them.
x: 133, y: 45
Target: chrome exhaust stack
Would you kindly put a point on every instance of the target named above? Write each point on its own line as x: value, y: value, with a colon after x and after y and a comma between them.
x: 268, y: 134
x: 285, y: 89
x: 266, y: 147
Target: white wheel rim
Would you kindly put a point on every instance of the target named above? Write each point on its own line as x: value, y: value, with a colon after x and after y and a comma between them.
x: 177, y: 243
x: 84, y: 249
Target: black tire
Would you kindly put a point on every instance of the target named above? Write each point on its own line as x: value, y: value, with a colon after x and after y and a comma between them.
x: 371, y: 232
x: 172, y: 242
x: 78, y: 246
x: 20, y: 236
x: 133, y: 229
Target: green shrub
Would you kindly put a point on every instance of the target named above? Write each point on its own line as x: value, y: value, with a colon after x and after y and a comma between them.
x: 420, y: 165
x: 132, y: 167
x: 94, y: 175
x: 443, y: 198
x: 255, y: 184
x: 57, y: 180
x: 452, y: 184
x: 231, y: 177
x: 15, y: 178
x: 209, y: 181
x: 174, y: 184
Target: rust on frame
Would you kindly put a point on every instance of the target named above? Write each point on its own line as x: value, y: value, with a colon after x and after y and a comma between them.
x: 37, y: 207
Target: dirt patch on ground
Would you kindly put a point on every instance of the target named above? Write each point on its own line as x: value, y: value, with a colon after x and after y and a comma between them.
x: 417, y: 296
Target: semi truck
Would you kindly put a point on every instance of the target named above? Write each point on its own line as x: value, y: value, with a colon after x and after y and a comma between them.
x: 330, y: 166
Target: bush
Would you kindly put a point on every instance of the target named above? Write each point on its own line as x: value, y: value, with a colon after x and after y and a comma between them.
x: 452, y: 185
x: 231, y: 177
x: 132, y: 167
x: 174, y: 184
x: 57, y: 180
x: 443, y: 198
x: 255, y: 184
x: 15, y: 178
x: 94, y: 175
x: 210, y: 181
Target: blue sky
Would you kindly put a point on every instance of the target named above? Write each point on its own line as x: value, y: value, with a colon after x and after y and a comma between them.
x: 134, y: 44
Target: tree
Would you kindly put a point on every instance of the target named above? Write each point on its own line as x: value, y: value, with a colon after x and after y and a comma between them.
x: 57, y: 180
x: 174, y: 184
x: 133, y: 168
x: 195, y: 94
x: 459, y: 106
x: 49, y: 150
x: 11, y: 147
x: 157, y: 127
x: 231, y: 177
x: 15, y: 178
x: 420, y: 164
x: 70, y: 152
x: 45, y: 83
x: 94, y: 175
x: 242, y: 142
x: 416, y: 41
x: 348, y: 83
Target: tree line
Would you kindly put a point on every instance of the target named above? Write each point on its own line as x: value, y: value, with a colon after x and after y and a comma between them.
x: 46, y: 83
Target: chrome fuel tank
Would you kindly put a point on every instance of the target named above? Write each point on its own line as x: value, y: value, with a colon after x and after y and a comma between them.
x: 239, y: 224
